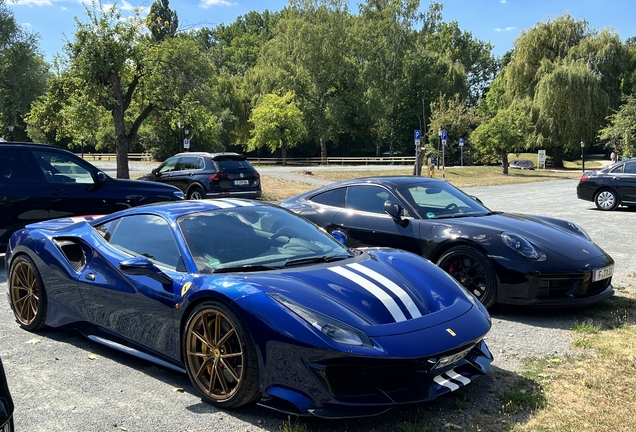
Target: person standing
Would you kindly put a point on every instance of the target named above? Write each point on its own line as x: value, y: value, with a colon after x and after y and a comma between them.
x: 613, y: 157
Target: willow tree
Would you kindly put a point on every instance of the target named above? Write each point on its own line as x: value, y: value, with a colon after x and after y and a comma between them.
x: 620, y: 133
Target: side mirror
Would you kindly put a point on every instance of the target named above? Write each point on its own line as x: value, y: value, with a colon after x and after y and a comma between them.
x: 101, y: 177
x: 156, y: 172
x: 395, y: 210
x: 340, y: 236
x: 142, y: 266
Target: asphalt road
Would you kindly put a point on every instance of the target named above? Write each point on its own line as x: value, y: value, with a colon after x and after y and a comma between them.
x: 63, y: 382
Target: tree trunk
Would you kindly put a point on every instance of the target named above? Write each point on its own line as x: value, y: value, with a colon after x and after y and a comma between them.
x: 284, y: 147
x: 323, y: 151
x: 558, y: 157
x: 121, y: 139
x: 378, y: 144
x: 504, y: 162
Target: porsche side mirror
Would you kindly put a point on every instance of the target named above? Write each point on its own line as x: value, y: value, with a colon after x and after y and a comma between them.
x: 101, y: 177
x: 156, y: 172
x: 340, y: 236
x: 395, y: 210
x: 142, y: 266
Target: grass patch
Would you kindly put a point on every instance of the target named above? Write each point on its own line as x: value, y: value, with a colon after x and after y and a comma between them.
x: 588, y: 326
x: 277, y: 190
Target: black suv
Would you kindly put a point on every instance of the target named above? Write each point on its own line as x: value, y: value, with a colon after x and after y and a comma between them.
x: 209, y: 175
x: 40, y: 182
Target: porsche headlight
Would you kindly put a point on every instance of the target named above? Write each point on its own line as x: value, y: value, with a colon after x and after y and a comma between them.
x: 520, y: 245
x: 332, y: 328
x: 579, y: 228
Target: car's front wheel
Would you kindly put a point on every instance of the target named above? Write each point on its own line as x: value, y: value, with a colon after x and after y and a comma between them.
x: 220, y: 357
x: 471, y: 268
x: 196, y: 193
x: 606, y: 199
x: 27, y: 294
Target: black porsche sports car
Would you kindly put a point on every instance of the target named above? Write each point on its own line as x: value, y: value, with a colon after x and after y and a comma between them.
x: 610, y: 186
x: 500, y: 257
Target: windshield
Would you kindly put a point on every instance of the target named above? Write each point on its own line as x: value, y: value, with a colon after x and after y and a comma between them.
x: 437, y: 200
x: 255, y: 238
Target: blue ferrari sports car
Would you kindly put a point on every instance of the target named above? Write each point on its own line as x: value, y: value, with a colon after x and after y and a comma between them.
x: 254, y: 303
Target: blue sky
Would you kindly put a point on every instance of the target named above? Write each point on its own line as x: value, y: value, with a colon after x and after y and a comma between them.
x: 497, y: 21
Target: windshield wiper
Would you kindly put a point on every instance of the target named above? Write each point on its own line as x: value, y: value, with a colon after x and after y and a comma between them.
x: 315, y: 259
x: 243, y: 268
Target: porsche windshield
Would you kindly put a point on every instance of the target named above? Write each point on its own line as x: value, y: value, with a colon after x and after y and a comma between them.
x: 255, y: 238
x: 441, y: 200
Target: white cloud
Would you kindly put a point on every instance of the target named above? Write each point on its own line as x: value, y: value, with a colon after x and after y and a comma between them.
x: 35, y: 2
x: 502, y: 1
x: 209, y: 3
x: 497, y: 29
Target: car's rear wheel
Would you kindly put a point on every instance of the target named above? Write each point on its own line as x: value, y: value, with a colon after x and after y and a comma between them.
x: 196, y: 193
x: 606, y: 199
x: 27, y: 294
x: 220, y: 357
x: 471, y: 268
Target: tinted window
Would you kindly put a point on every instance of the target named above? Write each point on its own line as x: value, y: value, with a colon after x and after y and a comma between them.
x: 13, y: 168
x: 367, y: 198
x: 441, y: 200
x: 61, y: 168
x: 617, y: 170
x: 190, y: 163
x: 630, y: 168
x: 334, y: 197
x: 144, y: 235
x: 233, y: 163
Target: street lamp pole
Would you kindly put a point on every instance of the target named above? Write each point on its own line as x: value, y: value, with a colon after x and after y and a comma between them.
x: 583, y: 154
x: 10, y: 127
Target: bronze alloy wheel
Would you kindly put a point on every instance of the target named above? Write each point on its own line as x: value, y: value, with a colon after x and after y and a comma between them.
x: 214, y: 355
x: 28, y: 298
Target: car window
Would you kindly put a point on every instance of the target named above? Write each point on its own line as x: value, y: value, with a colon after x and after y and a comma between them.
x: 441, y: 200
x: 169, y: 165
x: 189, y: 163
x: 14, y: 169
x: 233, y: 164
x: 334, y: 197
x: 367, y: 198
x: 61, y: 168
x: 144, y: 235
x: 630, y: 168
x: 617, y: 170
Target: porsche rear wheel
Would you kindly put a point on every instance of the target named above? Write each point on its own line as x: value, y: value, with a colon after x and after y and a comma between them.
x: 196, y: 193
x: 27, y: 294
x: 606, y: 199
x: 220, y: 356
x: 471, y: 268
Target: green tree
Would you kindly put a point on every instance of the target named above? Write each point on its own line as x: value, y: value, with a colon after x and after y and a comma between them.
x: 278, y: 123
x: 23, y: 73
x: 620, y: 133
x: 162, y: 21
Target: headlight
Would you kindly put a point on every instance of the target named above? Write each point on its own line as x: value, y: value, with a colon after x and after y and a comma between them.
x: 332, y: 328
x: 579, y: 228
x: 519, y: 245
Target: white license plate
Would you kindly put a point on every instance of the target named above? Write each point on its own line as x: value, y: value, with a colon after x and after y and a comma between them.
x: 241, y: 182
x: 445, y: 361
x: 603, y: 273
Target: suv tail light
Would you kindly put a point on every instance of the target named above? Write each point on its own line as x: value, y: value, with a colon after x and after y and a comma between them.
x: 256, y: 175
x: 219, y: 176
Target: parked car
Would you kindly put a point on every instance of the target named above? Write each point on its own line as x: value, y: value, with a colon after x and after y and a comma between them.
x: 209, y: 175
x: 255, y: 304
x: 610, y: 186
x: 40, y: 182
x: 521, y: 164
x: 500, y: 257
x: 6, y: 403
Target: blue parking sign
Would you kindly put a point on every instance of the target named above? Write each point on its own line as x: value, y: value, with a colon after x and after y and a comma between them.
x: 417, y: 134
x: 444, y: 136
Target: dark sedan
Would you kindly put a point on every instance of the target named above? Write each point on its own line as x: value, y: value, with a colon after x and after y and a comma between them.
x: 40, y: 182
x: 209, y: 175
x: 611, y: 186
x: 6, y: 404
x: 500, y: 257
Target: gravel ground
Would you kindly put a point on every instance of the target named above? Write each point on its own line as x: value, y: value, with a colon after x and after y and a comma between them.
x: 62, y: 381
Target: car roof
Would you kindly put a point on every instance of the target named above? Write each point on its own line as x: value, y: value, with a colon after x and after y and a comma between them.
x: 390, y: 181
x: 212, y: 155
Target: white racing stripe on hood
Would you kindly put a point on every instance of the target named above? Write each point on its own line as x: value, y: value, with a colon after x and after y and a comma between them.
x: 392, y: 286
x: 378, y: 292
x: 238, y: 203
x: 221, y: 204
